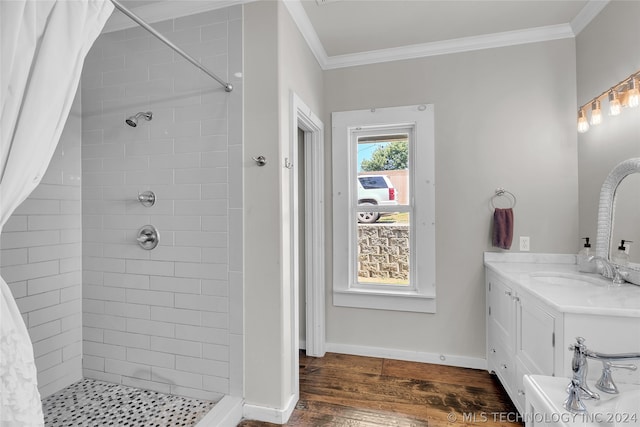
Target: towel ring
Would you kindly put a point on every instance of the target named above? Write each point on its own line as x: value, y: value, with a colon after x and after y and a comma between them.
x: 501, y: 192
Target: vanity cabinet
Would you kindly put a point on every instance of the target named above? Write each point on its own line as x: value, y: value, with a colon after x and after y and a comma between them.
x: 537, y: 304
x: 521, y: 336
x: 500, y: 329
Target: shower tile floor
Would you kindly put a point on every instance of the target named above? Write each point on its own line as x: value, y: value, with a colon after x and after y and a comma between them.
x: 96, y: 404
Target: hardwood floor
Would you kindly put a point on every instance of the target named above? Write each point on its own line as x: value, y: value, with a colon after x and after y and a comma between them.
x: 354, y: 391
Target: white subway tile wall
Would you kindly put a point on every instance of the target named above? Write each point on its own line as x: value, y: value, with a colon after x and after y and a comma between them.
x: 41, y: 260
x: 159, y: 319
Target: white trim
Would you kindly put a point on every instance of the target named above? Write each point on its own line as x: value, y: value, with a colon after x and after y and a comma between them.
x: 420, y: 295
x: 309, y: 34
x: 408, y: 355
x: 305, y: 119
x: 270, y: 415
x: 226, y: 413
x: 162, y: 11
x: 398, y: 302
x: 586, y: 15
x: 445, y: 47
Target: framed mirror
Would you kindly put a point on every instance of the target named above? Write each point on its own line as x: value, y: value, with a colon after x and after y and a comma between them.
x: 626, y: 218
x: 620, y: 203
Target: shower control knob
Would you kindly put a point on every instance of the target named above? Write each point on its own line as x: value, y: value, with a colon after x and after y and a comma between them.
x: 148, y: 237
x: 147, y: 198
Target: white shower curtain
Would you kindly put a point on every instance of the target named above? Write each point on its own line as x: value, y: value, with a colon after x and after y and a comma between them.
x: 44, y: 43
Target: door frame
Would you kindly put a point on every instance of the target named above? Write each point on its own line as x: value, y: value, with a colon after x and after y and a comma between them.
x: 302, y: 117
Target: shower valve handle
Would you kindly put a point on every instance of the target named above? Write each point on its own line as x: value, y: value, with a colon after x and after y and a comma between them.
x: 148, y: 237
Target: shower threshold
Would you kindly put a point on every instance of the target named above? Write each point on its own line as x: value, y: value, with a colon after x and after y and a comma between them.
x: 97, y: 403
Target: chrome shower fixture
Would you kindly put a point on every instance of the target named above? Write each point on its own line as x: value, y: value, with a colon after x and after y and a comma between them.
x: 133, y: 120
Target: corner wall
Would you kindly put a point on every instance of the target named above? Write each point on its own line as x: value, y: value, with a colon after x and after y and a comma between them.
x: 277, y: 62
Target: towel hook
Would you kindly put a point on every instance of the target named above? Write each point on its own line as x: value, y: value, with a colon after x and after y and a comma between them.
x: 260, y: 160
x: 501, y: 192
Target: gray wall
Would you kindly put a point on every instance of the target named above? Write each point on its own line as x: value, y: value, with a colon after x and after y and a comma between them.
x: 41, y: 260
x: 277, y: 61
x: 169, y: 319
x: 605, y: 55
x: 503, y: 118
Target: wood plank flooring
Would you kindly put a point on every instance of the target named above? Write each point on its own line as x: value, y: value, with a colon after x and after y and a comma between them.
x: 353, y: 391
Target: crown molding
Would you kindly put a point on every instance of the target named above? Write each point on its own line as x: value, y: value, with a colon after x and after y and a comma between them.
x: 164, y: 10
x: 586, y: 15
x: 309, y: 34
x: 444, y: 47
x: 161, y: 11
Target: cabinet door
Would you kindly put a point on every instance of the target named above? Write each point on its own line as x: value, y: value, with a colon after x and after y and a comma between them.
x: 536, y: 336
x: 500, y: 313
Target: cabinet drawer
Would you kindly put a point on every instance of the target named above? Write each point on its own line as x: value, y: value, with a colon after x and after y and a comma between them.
x: 501, y: 362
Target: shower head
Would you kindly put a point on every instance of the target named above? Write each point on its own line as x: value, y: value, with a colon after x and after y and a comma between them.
x: 133, y: 120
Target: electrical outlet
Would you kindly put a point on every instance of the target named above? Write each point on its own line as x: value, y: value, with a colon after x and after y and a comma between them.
x: 524, y: 244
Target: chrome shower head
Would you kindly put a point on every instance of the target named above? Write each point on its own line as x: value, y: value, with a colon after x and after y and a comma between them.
x: 133, y: 120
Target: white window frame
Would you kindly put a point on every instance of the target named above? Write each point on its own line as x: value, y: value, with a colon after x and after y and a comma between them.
x: 420, y: 295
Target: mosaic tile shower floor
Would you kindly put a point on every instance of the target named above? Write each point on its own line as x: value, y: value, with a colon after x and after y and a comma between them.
x: 94, y: 403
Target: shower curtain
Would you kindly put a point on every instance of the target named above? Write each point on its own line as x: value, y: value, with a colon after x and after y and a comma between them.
x: 43, y: 46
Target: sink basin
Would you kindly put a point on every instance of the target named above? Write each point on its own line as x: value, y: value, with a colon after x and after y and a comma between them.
x: 569, y: 279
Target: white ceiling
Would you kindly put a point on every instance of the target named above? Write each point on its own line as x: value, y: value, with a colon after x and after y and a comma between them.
x: 355, y: 26
x: 352, y: 32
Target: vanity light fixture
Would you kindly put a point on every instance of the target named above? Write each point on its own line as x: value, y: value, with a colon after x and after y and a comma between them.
x: 625, y: 93
x: 583, y: 124
x: 596, y: 113
x: 633, y: 94
x: 614, y: 103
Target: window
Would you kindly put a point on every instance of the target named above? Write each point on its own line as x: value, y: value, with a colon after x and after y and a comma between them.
x: 384, y: 209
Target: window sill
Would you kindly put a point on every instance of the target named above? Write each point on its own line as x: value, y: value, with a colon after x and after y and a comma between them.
x: 397, y: 301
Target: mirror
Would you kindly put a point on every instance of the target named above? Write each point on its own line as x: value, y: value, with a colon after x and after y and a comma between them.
x: 626, y: 218
x: 609, y: 197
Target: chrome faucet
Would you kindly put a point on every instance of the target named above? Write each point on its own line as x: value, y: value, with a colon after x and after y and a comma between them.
x: 578, y: 388
x: 609, y: 271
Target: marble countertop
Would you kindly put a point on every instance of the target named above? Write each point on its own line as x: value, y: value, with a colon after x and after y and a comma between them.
x: 547, y: 395
x: 583, y: 293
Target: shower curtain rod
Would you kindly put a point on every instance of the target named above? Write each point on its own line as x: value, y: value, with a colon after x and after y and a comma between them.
x: 227, y: 86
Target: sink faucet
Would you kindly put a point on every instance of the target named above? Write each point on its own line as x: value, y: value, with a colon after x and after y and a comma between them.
x: 578, y: 388
x: 609, y: 270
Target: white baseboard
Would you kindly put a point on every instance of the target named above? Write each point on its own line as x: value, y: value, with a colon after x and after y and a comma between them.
x: 270, y: 415
x: 226, y: 413
x: 408, y: 355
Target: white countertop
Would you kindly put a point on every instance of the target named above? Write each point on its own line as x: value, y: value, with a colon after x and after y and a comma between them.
x: 598, y: 295
x: 547, y: 395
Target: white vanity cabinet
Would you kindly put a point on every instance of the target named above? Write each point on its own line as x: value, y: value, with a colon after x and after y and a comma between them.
x: 537, y: 304
x: 501, y: 324
x: 521, y: 336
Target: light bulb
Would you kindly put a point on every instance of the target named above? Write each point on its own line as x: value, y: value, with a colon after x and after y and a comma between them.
x: 614, y: 104
x: 596, y: 113
x: 633, y: 94
x: 583, y: 124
